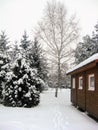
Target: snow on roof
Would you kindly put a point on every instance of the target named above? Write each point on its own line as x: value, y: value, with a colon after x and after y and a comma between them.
x: 85, y: 62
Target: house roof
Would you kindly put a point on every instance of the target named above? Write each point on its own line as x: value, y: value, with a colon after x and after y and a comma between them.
x: 85, y: 62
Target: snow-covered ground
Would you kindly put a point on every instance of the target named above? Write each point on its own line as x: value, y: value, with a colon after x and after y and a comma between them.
x: 51, y: 114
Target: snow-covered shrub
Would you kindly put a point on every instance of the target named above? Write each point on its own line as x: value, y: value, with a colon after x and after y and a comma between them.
x: 20, y: 89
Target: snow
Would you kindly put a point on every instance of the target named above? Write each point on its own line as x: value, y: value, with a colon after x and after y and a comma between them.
x: 51, y: 114
x: 20, y: 89
x: 25, y: 76
x: 1, y: 62
x: 5, y: 66
x: 20, y: 81
x: 9, y: 76
x: 85, y: 62
x: 2, y: 72
x: 28, y: 94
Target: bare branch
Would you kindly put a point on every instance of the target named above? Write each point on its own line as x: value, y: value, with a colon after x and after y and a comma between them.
x: 59, y: 33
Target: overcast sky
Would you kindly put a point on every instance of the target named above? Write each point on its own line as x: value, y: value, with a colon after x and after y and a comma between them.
x: 19, y: 15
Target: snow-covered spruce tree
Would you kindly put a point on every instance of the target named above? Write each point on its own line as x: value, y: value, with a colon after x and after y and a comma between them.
x: 38, y: 61
x: 21, y: 85
x: 95, y: 39
x: 14, y: 51
x: 3, y: 42
x: 32, y: 52
x: 84, y: 49
x: 25, y: 43
x: 4, y: 60
x: 28, y: 51
x: 88, y: 47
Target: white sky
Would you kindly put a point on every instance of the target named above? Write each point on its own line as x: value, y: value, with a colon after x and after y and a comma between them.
x: 19, y: 15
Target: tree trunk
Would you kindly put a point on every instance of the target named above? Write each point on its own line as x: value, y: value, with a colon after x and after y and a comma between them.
x: 59, y: 74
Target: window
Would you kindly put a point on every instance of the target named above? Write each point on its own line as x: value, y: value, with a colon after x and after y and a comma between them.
x: 80, y: 82
x: 73, y: 83
x: 91, y: 82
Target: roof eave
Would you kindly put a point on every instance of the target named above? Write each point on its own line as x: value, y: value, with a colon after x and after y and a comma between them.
x: 83, y: 68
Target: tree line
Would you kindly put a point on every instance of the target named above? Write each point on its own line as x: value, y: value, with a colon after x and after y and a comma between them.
x: 58, y: 32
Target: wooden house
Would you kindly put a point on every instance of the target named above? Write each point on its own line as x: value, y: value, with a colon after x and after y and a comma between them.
x: 84, y: 85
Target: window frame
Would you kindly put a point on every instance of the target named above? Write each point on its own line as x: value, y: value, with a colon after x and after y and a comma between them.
x: 89, y: 83
x: 73, y: 83
x: 80, y: 87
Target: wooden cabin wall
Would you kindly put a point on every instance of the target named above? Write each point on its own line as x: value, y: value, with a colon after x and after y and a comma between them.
x: 84, y: 98
x: 81, y: 93
x: 96, y: 94
x: 74, y: 91
x: 92, y: 95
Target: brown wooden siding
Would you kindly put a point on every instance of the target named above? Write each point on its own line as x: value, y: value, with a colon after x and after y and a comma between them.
x: 84, y: 98
x: 74, y: 92
x: 81, y: 92
x: 92, y: 96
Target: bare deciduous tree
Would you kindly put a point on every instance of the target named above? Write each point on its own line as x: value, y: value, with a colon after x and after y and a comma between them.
x: 58, y: 32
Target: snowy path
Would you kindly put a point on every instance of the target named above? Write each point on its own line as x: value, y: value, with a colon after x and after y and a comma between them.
x: 52, y: 114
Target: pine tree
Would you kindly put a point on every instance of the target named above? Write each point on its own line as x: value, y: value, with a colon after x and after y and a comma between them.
x: 25, y: 46
x: 3, y: 42
x: 21, y: 85
x: 4, y: 60
x: 14, y: 52
x: 36, y: 55
x: 39, y: 60
x: 3, y: 69
x: 32, y: 52
x: 25, y: 42
x: 95, y: 39
x: 88, y: 47
x: 84, y: 49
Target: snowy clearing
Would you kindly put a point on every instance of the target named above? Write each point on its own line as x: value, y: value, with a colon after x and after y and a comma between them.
x: 51, y: 114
